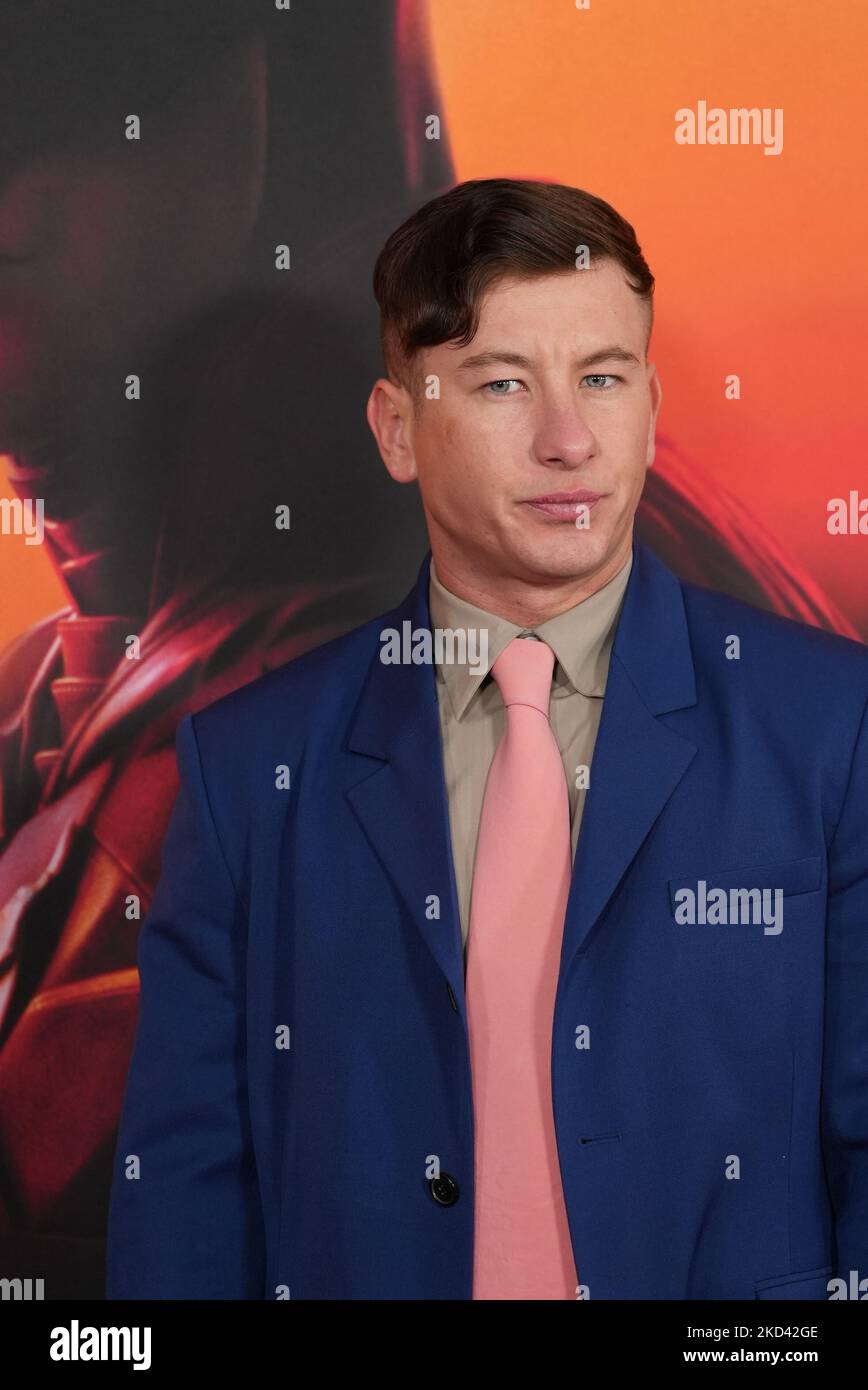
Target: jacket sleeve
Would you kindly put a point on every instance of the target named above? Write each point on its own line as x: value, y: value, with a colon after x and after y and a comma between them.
x: 185, y: 1217
x: 845, y: 1055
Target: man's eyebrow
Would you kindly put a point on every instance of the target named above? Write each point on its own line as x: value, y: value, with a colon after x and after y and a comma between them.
x: 612, y: 353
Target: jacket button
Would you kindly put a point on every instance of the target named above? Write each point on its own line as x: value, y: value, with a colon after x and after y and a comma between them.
x: 444, y: 1190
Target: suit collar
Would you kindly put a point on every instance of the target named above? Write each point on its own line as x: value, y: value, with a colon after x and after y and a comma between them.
x: 651, y: 643
x: 581, y: 638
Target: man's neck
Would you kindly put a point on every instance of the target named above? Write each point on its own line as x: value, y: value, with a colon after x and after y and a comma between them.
x: 524, y: 604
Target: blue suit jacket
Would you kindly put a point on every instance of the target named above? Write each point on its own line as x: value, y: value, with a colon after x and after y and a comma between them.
x: 301, y: 1070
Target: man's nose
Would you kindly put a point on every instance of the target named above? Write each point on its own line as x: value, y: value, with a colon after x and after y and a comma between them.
x: 563, y: 435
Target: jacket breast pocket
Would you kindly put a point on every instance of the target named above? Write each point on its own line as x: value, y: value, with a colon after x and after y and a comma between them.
x: 811, y: 1283
x: 791, y: 876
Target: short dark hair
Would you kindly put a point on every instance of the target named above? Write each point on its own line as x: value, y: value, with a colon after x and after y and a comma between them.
x: 430, y: 277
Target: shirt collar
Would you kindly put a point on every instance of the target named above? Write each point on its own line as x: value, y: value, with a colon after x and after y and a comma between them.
x: 581, y: 638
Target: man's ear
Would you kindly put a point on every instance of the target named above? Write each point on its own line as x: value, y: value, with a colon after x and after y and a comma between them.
x: 390, y: 415
x: 656, y: 390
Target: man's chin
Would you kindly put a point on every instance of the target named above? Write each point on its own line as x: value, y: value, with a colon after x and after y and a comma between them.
x: 569, y: 556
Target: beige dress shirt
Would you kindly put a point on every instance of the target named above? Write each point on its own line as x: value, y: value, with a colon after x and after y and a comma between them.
x: 473, y: 718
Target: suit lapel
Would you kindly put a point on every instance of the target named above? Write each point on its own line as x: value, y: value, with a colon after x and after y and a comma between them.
x: 401, y: 800
x: 638, y: 760
x: 399, y: 795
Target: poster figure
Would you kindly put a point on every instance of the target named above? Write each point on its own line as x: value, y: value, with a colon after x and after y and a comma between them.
x: 192, y: 419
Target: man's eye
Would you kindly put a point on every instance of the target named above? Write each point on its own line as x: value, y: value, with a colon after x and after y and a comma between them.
x: 595, y: 379
x: 504, y: 381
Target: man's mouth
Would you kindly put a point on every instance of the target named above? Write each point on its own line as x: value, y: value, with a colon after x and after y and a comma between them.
x: 565, y: 506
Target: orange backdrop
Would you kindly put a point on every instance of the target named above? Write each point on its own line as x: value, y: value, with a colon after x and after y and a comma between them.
x: 760, y: 259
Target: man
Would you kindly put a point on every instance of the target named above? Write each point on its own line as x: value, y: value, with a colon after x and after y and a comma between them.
x: 539, y: 974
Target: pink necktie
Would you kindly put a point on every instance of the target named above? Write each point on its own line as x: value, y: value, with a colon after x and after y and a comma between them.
x: 521, y: 879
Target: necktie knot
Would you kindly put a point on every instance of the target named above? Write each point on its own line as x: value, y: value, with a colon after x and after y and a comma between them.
x: 523, y: 672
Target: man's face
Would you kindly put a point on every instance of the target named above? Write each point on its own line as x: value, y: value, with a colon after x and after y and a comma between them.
x: 577, y: 415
